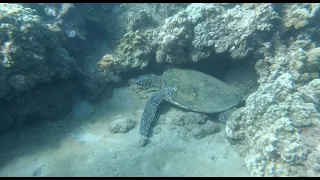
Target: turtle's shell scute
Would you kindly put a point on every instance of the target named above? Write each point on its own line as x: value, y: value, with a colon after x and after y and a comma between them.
x: 199, y: 92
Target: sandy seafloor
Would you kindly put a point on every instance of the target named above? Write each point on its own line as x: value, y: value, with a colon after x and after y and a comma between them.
x: 86, y: 147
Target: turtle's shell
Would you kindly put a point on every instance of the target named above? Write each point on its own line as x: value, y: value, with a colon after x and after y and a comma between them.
x: 199, y: 92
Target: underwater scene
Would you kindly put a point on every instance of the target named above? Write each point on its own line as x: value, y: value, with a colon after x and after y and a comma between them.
x: 159, y: 89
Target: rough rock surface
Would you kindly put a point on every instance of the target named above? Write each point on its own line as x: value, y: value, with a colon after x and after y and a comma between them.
x: 270, y: 126
x: 40, y: 76
x: 301, y: 59
x: 197, y: 32
x: 237, y: 30
x: 299, y: 15
x: 30, y: 51
x: 122, y: 125
x: 189, y: 125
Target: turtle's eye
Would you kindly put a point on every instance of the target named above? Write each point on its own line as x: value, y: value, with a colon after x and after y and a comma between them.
x: 138, y: 81
x: 141, y: 80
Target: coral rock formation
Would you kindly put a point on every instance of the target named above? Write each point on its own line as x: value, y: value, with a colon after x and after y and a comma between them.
x: 269, y: 126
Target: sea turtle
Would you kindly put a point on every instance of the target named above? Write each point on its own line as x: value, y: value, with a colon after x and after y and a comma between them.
x: 189, y: 89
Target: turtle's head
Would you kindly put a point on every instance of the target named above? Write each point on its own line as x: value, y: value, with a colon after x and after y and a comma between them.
x: 147, y: 80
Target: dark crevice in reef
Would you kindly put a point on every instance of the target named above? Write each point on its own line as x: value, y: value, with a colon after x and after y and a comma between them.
x: 49, y: 100
x: 216, y: 65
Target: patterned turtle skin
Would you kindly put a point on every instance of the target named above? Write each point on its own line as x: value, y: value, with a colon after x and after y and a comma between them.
x: 189, y: 89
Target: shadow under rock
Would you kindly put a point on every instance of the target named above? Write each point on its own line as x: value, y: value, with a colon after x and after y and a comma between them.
x: 36, y: 137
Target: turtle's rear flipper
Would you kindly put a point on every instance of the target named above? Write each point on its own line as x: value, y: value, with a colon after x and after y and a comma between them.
x: 149, y: 112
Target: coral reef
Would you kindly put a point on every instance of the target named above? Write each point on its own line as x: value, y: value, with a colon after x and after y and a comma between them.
x: 105, y: 62
x: 313, y: 160
x: 174, y: 39
x: 300, y: 59
x: 202, y: 29
x: 136, y: 16
x: 143, y: 20
x: 196, y: 33
x: 207, y: 28
x: 237, y: 30
x: 273, y: 131
x: 134, y: 49
x: 30, y: 51
x: 270, y: 124
x: 312, y: 89
x: 37, y: 58
x: 299, y: 15
x: 31, y: 55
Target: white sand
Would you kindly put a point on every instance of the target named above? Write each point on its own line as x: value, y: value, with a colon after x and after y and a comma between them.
x: 87, y: 148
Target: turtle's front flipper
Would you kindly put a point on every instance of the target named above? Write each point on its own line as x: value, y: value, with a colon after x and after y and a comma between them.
x: 149, y: 112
